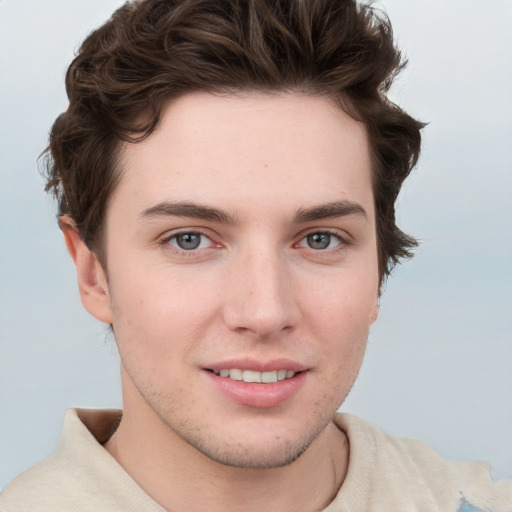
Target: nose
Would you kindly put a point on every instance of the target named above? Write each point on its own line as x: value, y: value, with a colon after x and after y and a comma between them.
x: 260, y: 296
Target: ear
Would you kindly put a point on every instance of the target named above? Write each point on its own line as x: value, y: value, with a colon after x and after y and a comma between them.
x: 92, y: 281
x: 375, y: 312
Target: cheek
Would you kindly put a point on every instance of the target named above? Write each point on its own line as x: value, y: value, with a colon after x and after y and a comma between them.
x: 347, y: 304
x: 340, y: 319
x: 156, y: 318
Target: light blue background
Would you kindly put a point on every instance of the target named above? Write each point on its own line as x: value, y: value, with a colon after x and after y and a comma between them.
x: 438, y: 365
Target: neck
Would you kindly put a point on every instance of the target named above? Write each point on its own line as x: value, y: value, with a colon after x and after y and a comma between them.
x: 180, y: 478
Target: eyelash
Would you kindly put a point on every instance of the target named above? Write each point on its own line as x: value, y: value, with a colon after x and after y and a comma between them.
x: 165, y: 242
x: 343, y: 242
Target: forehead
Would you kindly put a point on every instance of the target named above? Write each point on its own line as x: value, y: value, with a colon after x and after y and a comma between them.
x: 249, y: 149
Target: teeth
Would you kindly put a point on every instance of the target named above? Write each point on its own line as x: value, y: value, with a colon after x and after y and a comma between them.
x: 254, y: 376
x: 251, y: 376
x: 269, y: 377
x: 236, y: 374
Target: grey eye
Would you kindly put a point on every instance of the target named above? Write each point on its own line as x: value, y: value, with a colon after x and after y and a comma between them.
x: 188, y: 241
x: 319, y: 240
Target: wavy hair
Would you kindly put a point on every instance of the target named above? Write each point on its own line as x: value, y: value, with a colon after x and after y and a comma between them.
x: 151, y: 51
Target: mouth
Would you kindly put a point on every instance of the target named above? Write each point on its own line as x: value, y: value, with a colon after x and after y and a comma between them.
x: 253, y: 376
x: 258, y: 384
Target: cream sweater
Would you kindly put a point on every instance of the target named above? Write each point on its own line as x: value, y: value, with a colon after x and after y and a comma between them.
x: 386, y: 474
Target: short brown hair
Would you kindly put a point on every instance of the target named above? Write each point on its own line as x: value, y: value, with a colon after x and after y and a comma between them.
x: 151, y: 51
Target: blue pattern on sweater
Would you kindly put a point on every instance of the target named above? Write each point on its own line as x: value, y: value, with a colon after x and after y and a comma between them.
x: 467, y: 507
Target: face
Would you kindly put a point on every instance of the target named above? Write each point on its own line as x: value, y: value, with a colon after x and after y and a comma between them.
x: 241, y: 247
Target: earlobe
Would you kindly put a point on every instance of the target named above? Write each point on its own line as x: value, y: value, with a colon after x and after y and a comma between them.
x: 375, y: 312
x: 92, y: 282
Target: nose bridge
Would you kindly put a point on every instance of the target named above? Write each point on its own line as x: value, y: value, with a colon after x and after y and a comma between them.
x: 261, y: 296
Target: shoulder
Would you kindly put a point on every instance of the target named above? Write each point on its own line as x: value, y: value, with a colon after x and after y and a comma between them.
x: 80, y: 476
x: 33, y: 488
x: 49, y: 484
x: 398, y: 470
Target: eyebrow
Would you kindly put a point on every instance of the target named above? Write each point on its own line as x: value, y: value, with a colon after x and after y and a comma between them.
x: 329, y: 211
x: 192, y: 210
x: 303, y: 215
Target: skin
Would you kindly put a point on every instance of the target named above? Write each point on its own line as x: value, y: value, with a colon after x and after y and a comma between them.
x: 256, y: 289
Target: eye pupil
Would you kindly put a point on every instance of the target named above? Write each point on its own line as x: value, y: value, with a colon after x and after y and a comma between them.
x: 319, y: 240
x: 188, y: 241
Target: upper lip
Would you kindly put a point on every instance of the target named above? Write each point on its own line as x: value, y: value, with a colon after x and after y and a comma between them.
x: 258, y: 365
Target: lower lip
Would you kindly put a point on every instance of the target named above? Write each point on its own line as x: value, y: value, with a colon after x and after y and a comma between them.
x: 258, y: 395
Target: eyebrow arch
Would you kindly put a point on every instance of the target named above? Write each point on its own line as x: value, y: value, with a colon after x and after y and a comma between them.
x: 328, y: 211
x: 185, y: 209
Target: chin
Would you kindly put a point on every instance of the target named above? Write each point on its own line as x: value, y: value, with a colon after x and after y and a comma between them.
x: 265, y: 447
x: 274, y: 454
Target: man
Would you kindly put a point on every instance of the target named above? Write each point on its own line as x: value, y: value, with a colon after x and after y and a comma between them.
x: 226, y: 175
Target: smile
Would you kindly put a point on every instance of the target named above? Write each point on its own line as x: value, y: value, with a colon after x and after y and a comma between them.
x: 255, y: 376
x: 261, y: 389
